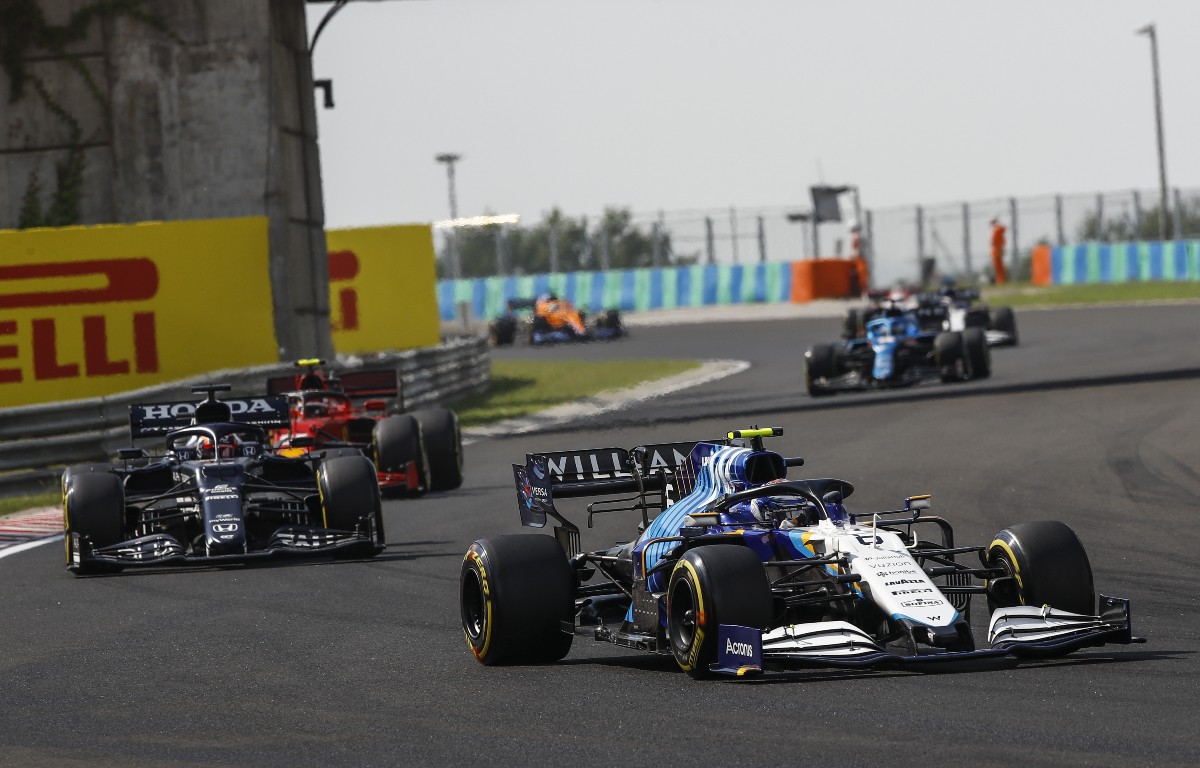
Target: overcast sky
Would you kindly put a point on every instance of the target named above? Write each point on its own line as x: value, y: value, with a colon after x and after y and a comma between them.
x: 680, y: 104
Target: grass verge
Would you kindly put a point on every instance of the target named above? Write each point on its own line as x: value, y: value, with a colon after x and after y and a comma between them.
x: 520, y: 388
x: 20, y: 503
x: 1098, y: 293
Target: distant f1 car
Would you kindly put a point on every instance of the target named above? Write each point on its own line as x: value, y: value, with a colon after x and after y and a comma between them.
x: 554, y: 320
x: 950, y: 309
x: 217, y: 494
x: 896, y: 353
x: 413, y: 452
x: 747, y: 570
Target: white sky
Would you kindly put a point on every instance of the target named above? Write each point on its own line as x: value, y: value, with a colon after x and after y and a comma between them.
x: 678, y: 104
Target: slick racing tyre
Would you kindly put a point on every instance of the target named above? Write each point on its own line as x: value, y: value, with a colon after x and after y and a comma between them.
x: 93, y: 507
x: 504, y: 331
x: 349, y: 491
x: 1005, y: 321
x: 710, y: 586
x: 442, y: 444
x: 1048, y: 566
x: 978, y: 356
x: 948, y: 352
x: 397, y: 441
x: 820, y: 362
x: 517, y: 600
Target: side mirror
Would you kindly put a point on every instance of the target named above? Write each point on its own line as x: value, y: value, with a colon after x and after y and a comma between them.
x: 918, y: 502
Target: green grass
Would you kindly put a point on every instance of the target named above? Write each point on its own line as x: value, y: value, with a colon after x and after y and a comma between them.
x: 19, y: 503
x: 1106, y: 293
x: 520, y: 388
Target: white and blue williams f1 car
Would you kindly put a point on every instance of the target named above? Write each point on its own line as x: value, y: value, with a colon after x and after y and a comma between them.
x: 738, y: 569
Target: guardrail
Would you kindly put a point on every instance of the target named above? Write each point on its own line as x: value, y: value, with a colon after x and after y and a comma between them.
x: 34, y: 437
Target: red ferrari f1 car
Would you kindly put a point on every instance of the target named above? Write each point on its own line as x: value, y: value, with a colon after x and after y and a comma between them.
x: 364, y: 410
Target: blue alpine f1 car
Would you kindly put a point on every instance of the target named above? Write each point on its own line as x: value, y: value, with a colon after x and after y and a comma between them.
x: 896, y: 353
x: 738, y: 569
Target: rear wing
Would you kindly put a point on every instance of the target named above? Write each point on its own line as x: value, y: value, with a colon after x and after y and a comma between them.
x: 647, y: 469
x: 155, y: 419
x: 381, y: 383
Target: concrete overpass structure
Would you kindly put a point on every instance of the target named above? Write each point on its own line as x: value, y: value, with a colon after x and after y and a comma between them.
x: 170, y: 109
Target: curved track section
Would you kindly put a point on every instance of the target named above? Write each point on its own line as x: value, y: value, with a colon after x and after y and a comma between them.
x: 1093, y: 420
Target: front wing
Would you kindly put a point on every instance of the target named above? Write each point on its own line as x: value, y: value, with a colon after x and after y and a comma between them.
x: 1022, y: 632
x: 162, y: 549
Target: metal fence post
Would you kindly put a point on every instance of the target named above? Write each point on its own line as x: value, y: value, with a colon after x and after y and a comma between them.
x: 499, y: 249
x: 966, y: 214
x: 656, y: 245
x: 1015, y: 271
x: 554, y: 246
x: 604, y: 261
x: 733, y: 236
x: 1100, y: 216
x: 762, y: 240
x: 869, y: 250
x: 1137, y: 215
x: 708, y: 240
x: 1058, y: 220
x: 1177, y: 215
x: 920, y: 244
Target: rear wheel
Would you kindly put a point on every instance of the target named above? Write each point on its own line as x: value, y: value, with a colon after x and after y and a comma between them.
x: 93, y: 507
x: 978, y: 356
x: 517, y: 600
x: 1005, y: 321
x: 442, y: 443
x: 820, y: 362
x: 397, y: 441
x: 711, y: 586
x: 1048, y: 566
x: 349, y: 491
x: 948, y: 350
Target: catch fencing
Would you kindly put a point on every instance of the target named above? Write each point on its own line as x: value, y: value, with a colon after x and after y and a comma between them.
x: 35, y: 437
x: 903, y: 242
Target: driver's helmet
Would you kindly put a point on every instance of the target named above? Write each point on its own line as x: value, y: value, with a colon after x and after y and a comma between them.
x: 226, y: 448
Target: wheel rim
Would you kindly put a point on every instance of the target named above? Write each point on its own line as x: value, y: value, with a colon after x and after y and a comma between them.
x: 682, y: 617
x: 474, y: 614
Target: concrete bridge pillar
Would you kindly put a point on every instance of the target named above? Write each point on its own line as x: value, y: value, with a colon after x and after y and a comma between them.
x: 166, y: 110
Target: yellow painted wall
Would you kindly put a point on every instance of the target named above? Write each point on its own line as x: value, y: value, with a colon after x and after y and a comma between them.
x: 90, y: 311
x: 382, y: 288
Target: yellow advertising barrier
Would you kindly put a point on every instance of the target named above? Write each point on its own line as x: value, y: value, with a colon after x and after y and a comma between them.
x: 382, y: 288
x: 91, y: 311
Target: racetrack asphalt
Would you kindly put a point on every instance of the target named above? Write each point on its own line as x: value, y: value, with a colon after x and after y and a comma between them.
x: 1093, y: 420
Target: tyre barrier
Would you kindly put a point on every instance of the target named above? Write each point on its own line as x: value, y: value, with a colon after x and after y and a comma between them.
x: 53, y: 434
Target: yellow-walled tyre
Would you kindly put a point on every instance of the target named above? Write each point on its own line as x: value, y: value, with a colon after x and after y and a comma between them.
x: 517, y: 600
x: 1048, y: 566
x: 710, y: 586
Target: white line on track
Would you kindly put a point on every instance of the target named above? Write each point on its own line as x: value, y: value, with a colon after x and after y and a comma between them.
x: 29, y: 545
x: 605, y: 402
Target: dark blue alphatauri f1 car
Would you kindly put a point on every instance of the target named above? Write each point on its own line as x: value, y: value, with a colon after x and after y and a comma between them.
x: 741, y: 569
x: 217, y: 495
x: 896, y: 353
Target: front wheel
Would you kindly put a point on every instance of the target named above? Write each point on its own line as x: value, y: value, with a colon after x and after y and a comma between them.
x: 948, y: 352
x: 349, y: 492
x: 977, y: 354
x: 93, y: 507
x: 1005, y: 321
x: 397, y: 447
x: 517, y: 600
x: 711, y: 586
x: 820, y: 365
x: 1047, y: 565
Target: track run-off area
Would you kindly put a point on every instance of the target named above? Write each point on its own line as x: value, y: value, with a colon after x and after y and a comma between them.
x: 1093, y: 420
